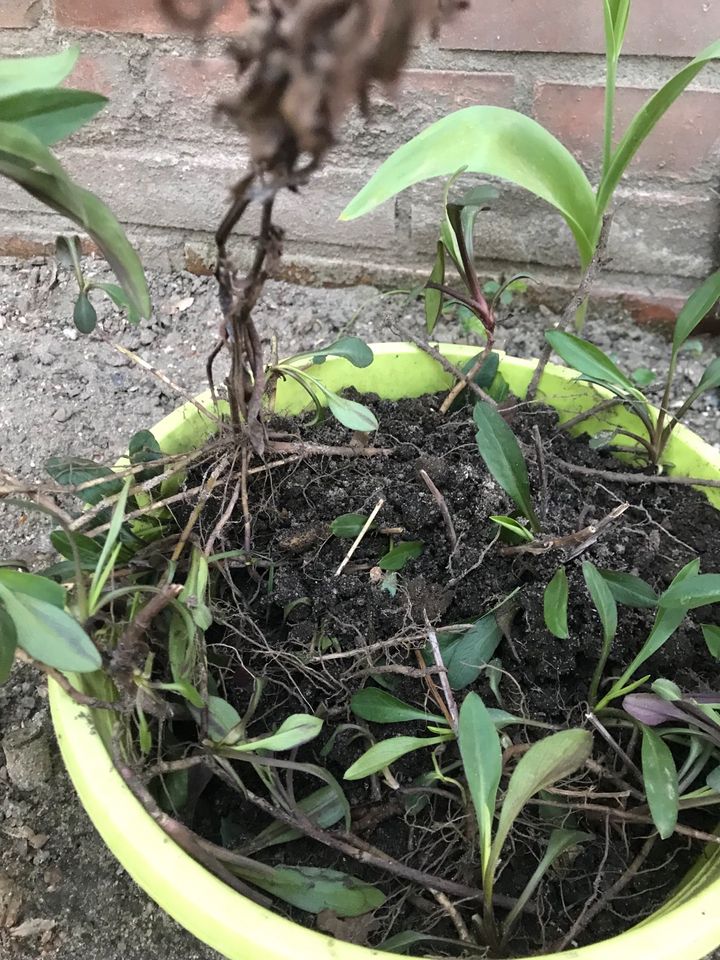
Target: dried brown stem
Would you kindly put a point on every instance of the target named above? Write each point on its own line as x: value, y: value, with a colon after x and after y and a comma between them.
x: 131, y: 650
x: 443, y: 508
x: 613, y: 476
x: 446, y: 364
x: 462, y: 384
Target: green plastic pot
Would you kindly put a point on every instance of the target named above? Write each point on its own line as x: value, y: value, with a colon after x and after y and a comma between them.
x: 687, y: 927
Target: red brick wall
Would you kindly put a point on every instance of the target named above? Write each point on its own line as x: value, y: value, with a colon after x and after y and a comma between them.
x: 165, y: 164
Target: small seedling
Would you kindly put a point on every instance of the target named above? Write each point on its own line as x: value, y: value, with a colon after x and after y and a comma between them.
x: 597, y: 367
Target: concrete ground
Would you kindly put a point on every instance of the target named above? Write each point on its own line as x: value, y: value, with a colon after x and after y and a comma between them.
x: 62, y: 895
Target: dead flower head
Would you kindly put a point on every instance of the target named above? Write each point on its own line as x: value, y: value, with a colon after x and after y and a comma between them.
x: 304, y: 63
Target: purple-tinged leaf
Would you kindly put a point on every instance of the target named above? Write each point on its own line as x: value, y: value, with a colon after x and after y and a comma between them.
x: 652, y: 710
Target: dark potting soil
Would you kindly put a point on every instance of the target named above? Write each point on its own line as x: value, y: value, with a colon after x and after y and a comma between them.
x: 316, y: 638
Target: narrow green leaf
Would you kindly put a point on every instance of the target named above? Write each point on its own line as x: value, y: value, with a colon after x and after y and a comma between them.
x: 481, y: 756
x: 711, y: 635
x: 349, y: 348
x: 18, y: 74
x: 49, y: 634
x: 51, y: 114
x: 697, y: 590
x: 401, y: 942
x: 387, y: 752
x: 110, y: 548
x: 603, y: 599
x: 49, y: 184
x: 297, y: 729
x: 643, y: 377
x: 697, y: 306
x: 434, y: 298
x: 72, y: 471
x: 8, y: 644
x: 350, y: 414
x: 400, y: 555
x: 667, y: 689
x: 348, y: 526
x: 32, y: 585
x: 667, y: 620
x: 661, y: 782
x: 185, y: 690
x: 588, y: 359
x: 120, y: 299
x: 224, y: 722
x: 630, y: 590
x: 84, y: 314
x: 315, y: 889
x: 466, y: 654
x: 559, y: 843
x: 555, y: 605
x: 710, y: 380
x: 512, y: 526
x: 87, y: 548
x: 546, y: 763
x: 323, y: 808
x: 646, y: 119
x: 379, y: 706
x: 496, y: 142
x: 713, y: 780
x: 503, y: 458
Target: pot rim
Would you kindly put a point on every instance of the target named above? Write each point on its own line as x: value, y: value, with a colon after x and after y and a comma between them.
x: 686, y: 928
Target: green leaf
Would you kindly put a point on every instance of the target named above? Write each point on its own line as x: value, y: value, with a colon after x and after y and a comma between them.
x: 555, y: 605
x: 87, y: 548
x: 348, y: 526
x: 350, y: 414
x: 84, y: 314
x: 603, y: 599
x: 697, y: 590
x: 49, y: 634
x: 546, y: 763
x: 400, y: 555
x: 667, y: 689
x: 710, y: 379
x: 697, y: 306
x: 630, y: 590
x: 224, y: 722
x: 51, y: 114
x: 18, y: 74
x: 616, y: 19
x: 350, y: 348
x: 711, y: 635
x: 379, y: 706
x: 26, y: 161
x: 643, y: 377
x: 434, y: 298
x: 503, y: 457
x: 646, y: 119
x: 297, y: 729
x: 401, y: 942
x: 185, y: 690
x: 144, y: 448
x: 496, y: 142
x: 588, y: 359
x: 466, y: 654
x: 323, y: 808
x: 72, y: 471
x: 667, y: 620
x: 315, y: 889
x: 120, y: 299
x: 713, y: 780
x: 559, y: 843
x: 481, y: 756
x: 383, y: 754
x: 661, y: 782
x: 8, y: 644
x: 512, y: 526
x: 32, y: 585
